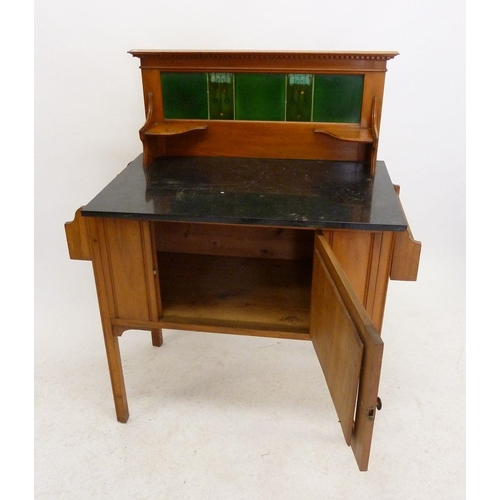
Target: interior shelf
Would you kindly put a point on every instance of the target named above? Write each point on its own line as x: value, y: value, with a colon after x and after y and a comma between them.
x: 236, y: 292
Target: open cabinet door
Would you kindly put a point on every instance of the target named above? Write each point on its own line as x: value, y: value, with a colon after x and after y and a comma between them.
x: 349, y: 350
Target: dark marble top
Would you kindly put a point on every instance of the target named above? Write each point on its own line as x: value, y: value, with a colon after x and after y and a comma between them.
x: 271, y: 192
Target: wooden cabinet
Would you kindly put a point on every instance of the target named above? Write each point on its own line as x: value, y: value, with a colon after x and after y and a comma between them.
x: 251, y: 228
x: 325, y: 286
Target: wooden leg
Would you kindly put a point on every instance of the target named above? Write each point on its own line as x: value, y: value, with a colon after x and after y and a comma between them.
x: 157, y: 337
x: 102, y: 272
x: 116, y: 374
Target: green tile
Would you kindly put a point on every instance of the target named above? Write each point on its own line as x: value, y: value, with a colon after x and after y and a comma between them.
x: 220, y: 96
x: 184, y: 95
x: 260, y: 96
x: 299, y: 97
x: 338, y: 98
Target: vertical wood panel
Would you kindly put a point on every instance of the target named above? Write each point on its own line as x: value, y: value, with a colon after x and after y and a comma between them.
x: 100, y: 266
x: 129, y: 253
x: 365, y: 258
x: 373, y: 269
x: 152, y: 263
x: 101, y: 250
x: 372, y: 354
x: 379, y: 279
x: 361, y: 440
x: 337, y: 345
x: 353, y: 249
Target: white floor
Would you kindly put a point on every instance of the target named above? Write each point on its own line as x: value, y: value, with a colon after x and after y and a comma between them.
x: 229, y: 417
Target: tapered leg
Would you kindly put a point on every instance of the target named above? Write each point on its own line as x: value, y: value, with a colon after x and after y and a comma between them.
x: 157, y: 337
x: 103, y: 277
x: 116, y: 374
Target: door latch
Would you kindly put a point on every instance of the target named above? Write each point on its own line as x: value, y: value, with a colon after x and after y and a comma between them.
x: 371, y: 410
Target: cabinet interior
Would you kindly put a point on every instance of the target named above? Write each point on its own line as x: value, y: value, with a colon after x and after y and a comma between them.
x: 255, y: 278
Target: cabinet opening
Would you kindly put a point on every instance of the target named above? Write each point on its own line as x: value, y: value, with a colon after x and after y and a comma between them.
x: 235, y: 277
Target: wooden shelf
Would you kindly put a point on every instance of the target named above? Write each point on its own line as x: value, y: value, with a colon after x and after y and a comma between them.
x: 341, y: 132
x: 345, y: 134
x: 236, y: 293
x: 175, y: 128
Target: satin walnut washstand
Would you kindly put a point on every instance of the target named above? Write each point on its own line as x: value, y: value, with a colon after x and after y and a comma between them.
x: 257, y: 207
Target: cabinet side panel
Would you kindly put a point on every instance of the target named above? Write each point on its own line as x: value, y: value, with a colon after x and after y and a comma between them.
x: 365, y: 258
x: 379, y: 277
x: 353, y: 250
x: 128, y: 248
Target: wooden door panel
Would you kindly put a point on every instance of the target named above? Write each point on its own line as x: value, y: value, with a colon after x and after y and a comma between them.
x: 337, y: 345
x: 340, y: 330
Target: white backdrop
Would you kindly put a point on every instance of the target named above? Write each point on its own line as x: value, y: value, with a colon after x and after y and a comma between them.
x: 88, y: 110
x: 89, y: 105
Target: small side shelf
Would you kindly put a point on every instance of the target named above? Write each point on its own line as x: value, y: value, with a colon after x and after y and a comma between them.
x: 172, y: 128
x: 347, y: 134
x: 153, y: 130
x: 358, y: 135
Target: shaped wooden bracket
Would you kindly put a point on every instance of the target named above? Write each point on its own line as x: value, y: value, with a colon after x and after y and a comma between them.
x: 375, y: 135
x: 361, y: 135
x: 78, y: 238
x: 405, y: 255
x: 151, y: 130
x: 149, y: 117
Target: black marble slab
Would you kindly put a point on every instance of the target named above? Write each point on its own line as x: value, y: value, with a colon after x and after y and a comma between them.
x: 271, y: 192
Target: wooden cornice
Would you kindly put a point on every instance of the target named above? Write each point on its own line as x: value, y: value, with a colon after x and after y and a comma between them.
x: 273, y: 62
x: 187, y: 54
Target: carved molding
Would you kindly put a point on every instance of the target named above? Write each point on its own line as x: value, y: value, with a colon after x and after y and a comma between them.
x: 370, y: 56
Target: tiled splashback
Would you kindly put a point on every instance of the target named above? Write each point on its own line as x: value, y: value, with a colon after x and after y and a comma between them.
x: 262, y: 96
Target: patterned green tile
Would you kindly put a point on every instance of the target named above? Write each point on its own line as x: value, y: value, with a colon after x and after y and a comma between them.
x: 338, y: 98
x: 220, y: 96
x: 299, y: 98
x: 184, y: 95
x: 260, y: 96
